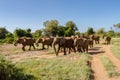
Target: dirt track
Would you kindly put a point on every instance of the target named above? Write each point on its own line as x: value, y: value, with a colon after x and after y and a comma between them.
x: 96, y: 64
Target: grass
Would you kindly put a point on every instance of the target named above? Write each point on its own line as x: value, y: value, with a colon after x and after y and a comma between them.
x: 109, y: 66
x: 115, y: 48
x: 59, y: 68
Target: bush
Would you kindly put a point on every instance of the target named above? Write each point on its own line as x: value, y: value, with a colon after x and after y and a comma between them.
x: 8, y: 71
x: 9, y: 40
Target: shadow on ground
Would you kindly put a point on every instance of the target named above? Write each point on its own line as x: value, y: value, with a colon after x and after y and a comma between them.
x: 96, y: 50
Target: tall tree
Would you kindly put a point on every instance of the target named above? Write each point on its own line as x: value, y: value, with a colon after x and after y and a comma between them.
x: 28, y: 32
x: 19, y: 32
x: 117, y: 27
x: 70, y: 28
x: 61, y: 31
x: 37, y: 33
x: 51, y: 28
x: 90, y: 31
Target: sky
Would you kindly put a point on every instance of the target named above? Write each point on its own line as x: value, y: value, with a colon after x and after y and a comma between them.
x: 84, y: 13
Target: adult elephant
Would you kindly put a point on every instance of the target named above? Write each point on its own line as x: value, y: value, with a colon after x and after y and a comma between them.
x: 45, y: 41
x: 81, y: 44
x: 95, y: 38
x: 25, y: 41
x: 63, y: 42
x: 107, y: 40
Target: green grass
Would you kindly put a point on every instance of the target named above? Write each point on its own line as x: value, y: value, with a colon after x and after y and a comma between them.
x: 115, y: 48
x: 59, y: 68
x: 109, y: 66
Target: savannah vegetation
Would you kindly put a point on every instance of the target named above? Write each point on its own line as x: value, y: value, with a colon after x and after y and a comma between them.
x: 71, y: 67
x: 54, y: 28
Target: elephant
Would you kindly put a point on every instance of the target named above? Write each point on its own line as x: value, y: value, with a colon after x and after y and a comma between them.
x: 63, y: 42
x: 90, y: 43
x: 25, y: 41
x: 45, y: 41
x: 81, y: 44
x: 96, y: 38
x: 107, y: 40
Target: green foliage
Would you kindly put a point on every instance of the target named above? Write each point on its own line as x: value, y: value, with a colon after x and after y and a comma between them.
x: 60, y: 68
x: 110, y: 68
x: 90, y: 31
x: 3, y: 32
x: 61, y: 30
x: 8, y: 71
x: 21, y: 32
x: 77, y: 33
x: 110, y: 33
x: 9, y: 38
x: 37, y: 34
x: 51, y: 28
x: 115, y: 48
x: 101, y: 31
x: 70, y: 28
x: 117, y: 25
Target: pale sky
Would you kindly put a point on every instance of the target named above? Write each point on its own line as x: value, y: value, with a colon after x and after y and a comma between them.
x: 84, y: 13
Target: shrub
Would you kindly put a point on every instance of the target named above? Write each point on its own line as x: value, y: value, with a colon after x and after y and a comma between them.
x: 8, y: 71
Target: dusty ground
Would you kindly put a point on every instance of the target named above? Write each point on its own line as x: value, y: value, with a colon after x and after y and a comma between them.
x: 97, y: 66
x: 96, y: 52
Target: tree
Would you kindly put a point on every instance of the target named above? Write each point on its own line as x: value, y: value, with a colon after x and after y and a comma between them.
x: 9, y: 38
x: 37, y: 33
x: 19, y: 32
x: 51, y: 28
x: 3, y: 32
x: 90, y: 31
x: 28, y: 32
x: 117, y: 27
x: 22, y: 32
x: 101, y: 31
x: 77, y: 33
x: 111, y: 33
x: 61, y: 31
x: 70, y: 28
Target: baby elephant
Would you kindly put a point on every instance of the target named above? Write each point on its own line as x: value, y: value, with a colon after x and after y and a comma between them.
x: 25, y: 41
x: 107, y: 40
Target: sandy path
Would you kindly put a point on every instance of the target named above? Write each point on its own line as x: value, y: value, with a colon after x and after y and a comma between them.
x: 114, y: 60
x: 96, y: 63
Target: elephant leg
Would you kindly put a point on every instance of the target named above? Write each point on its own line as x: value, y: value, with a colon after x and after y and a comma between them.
x: 98, y: 42
x: 33, y: 46
x: 43, y: 46
x: 64, y: 51
x: 58, y: 50
x: 79, y: 49
x: 69, y: 50
x: 83, y: 49
x: 23, y: 48
x: 74, y: 49
x: 29, y: 48
x: 86, y: 49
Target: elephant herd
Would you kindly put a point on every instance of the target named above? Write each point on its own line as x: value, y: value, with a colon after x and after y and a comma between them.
x: 80, y: 44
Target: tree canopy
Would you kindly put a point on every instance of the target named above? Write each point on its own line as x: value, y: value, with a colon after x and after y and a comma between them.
x: 3, y: 32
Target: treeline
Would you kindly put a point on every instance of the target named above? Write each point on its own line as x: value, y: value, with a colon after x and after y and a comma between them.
x: 53, y: 28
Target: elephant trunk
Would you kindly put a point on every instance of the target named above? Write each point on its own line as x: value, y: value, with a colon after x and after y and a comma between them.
x: 15, y: 44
